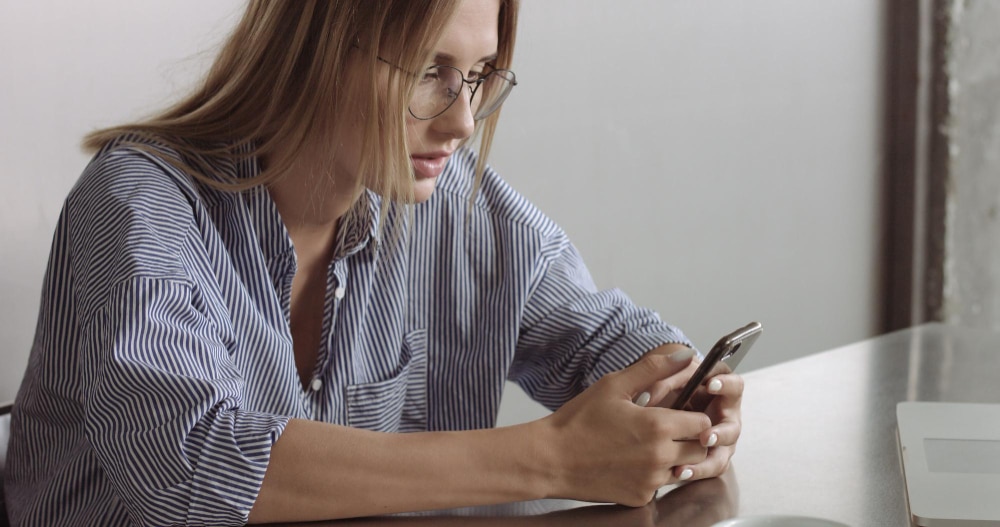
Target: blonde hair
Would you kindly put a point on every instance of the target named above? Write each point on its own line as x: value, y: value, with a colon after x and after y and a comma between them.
x: 279, y: 81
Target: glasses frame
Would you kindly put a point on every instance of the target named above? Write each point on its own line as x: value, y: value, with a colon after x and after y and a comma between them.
x: 473, y: 88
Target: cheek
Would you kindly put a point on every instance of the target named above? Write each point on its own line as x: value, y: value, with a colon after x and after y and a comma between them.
x: 416, y: 134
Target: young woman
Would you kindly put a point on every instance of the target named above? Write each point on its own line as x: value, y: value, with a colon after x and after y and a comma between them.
x: 250, y: 294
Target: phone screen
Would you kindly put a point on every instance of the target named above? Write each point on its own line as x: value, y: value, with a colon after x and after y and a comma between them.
x: 722, y: 358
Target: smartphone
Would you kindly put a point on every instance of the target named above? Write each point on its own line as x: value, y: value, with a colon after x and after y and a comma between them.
x: 723, y: 358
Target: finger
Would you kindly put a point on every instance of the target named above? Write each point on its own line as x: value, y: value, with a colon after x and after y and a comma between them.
x: 688, y: 453
x: 677, y: 425
x: 725, y: 433
x: 725, y: 406
x: 651, y: 368
x: 726, y: 385
x: 664, y: 391
x: 713, y: 465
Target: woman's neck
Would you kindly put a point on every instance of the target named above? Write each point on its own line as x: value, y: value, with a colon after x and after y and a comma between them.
x: 311, y: 204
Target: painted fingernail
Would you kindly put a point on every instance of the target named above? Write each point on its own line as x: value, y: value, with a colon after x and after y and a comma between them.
x: 715, y: 386
x: 712, y: 440
x: 642, y: 399
x: 686, y: 474
x: 681, y: 355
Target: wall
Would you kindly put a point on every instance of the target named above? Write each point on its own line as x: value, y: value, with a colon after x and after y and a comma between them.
x: 67, y: 68
x: 717, y: 161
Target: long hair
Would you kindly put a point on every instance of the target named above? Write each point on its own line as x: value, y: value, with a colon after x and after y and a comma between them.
x: 279, y: 84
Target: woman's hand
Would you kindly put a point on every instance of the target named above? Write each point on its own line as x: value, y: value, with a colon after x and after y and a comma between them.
x: 601, y: 446
x: 721, y: 437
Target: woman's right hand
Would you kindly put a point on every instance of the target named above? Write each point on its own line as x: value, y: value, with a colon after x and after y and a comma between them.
x: 601, y: 446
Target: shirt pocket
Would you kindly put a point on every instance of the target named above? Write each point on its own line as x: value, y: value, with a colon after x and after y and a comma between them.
x: 397, y: 404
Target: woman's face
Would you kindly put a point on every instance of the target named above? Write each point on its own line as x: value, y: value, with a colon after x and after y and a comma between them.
x: 468, y: 42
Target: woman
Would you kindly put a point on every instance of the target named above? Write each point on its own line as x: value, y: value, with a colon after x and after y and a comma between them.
x: 249, y: 293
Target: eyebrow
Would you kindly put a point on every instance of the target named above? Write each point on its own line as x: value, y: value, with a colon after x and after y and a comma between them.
x: 449, y: 59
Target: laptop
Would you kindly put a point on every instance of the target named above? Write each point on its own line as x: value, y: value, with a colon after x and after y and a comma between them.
x: 950, y: 454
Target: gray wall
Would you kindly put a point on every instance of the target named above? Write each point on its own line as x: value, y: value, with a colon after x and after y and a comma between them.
x: 717, y: 160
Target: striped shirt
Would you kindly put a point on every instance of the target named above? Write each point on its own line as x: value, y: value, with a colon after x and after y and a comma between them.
x: 162, y: 369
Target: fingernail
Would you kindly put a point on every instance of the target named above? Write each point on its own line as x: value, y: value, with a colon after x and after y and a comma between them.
x: 681, y: 355
x: 712, y: 440
x: 715, y: 386
x: 686, y: 475
x: 642, y: 399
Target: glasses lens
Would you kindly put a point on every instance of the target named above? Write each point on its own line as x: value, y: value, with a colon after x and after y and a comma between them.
x: 435, y: 91
x: 492, y: 92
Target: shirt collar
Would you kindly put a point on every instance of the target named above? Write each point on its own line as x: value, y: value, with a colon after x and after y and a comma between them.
x: 359, y: 226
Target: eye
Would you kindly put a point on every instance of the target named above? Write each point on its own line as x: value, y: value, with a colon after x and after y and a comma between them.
x: 477, y: 75
x: 430, y: 75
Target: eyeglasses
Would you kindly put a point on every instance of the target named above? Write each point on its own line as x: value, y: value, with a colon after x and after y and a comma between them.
x: 440, y: 86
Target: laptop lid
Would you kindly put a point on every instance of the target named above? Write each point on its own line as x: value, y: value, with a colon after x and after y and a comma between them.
x: 950, y: 454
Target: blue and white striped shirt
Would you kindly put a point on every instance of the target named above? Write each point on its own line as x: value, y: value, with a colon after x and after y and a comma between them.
x: 162, y: 370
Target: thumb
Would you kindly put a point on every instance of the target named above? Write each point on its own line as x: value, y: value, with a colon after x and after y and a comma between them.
x: 651, y: 368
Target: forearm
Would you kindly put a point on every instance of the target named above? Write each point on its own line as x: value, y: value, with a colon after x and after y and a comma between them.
x: 323, y: 471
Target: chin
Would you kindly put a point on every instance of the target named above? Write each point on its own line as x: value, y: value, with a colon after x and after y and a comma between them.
x: 423, y: 189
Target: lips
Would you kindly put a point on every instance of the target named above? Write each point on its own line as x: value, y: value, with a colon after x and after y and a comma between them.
x: 429, y: 165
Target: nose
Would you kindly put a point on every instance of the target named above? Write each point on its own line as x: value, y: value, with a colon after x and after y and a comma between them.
x: 457, y: 121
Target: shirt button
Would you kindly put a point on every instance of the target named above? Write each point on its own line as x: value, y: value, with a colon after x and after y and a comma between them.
x: 339, y: 293
x: 316, y: 385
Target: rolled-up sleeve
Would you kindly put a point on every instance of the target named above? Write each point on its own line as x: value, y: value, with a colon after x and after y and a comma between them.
x: 164, y: 400
x: 163, y: 404
x: 572, y: 334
